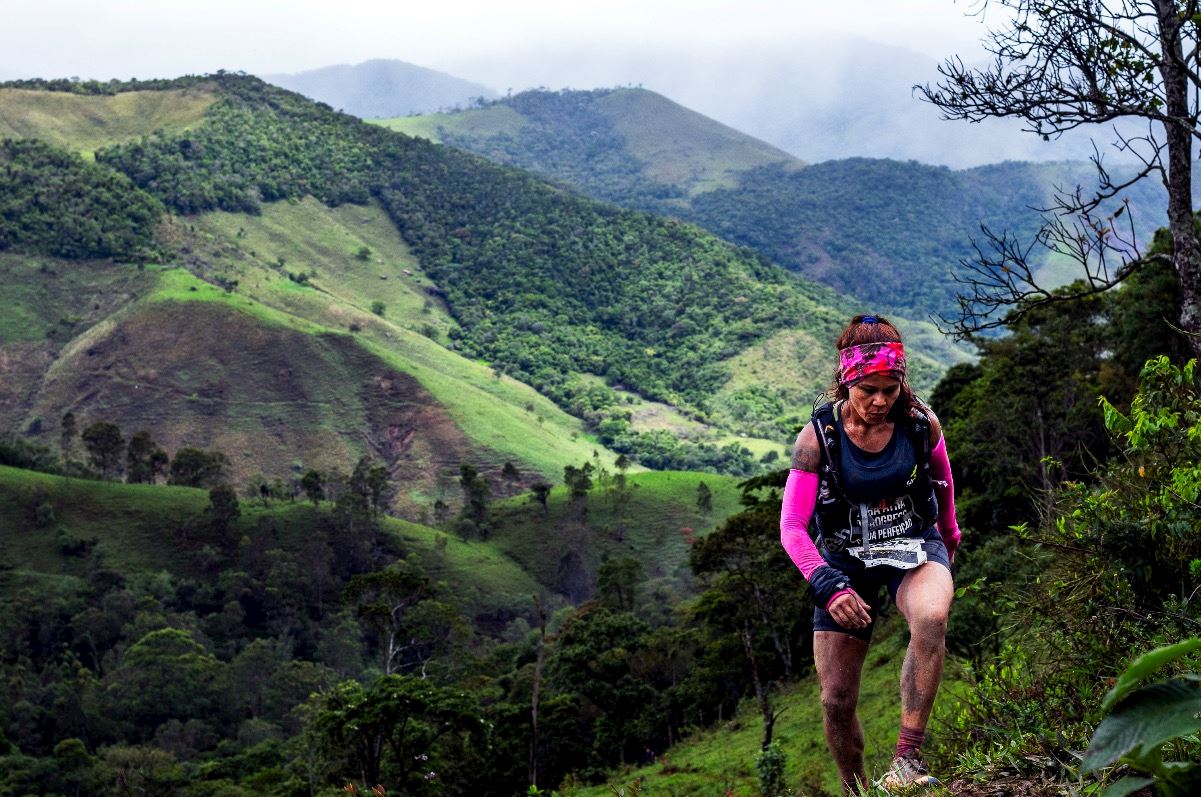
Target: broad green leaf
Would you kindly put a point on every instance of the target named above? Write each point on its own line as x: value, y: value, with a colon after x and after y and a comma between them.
x: 1143, y: 721
x: 1115, y: 421
x: 1144, y: 665
x: 1125, y: 786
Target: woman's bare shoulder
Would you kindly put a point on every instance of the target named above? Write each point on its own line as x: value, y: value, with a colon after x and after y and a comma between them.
x: 806, y: 452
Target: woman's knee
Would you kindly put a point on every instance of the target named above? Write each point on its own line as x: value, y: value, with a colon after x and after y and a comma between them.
x: 928, y: 623
x: 839, y: 700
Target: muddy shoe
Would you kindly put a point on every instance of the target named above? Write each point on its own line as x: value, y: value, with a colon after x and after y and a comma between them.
x: 908, y: 771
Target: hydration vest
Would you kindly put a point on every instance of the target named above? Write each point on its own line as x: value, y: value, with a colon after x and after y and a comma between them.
x: 839, y: 519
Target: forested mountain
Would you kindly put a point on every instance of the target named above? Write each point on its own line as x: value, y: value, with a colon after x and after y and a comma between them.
x: 547, y: 287
x: 887, y: 232
x: 382, y: 87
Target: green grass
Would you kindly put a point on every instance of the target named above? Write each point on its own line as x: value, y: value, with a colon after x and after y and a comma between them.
x: 482, y: 122
x: 682, y: 147
x: 133, y: 524
x: 491, y: 411
x: 653, y: 527
x: 323, y: 243
x: 49, y: 299
x: 720, y: 760
x: 500, y: 413
x: 84, y: 124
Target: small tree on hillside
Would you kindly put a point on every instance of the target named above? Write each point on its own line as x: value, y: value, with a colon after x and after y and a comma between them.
x: 476, y: 491
x: 578, y: 481
x: 67, y: 439
x: 105, y: 445
x: 192, y: 467
x: 704, y: 498
x: 541, y: 491
x: 144, y: 460
x: 224, y: 511
x: 312, y: 485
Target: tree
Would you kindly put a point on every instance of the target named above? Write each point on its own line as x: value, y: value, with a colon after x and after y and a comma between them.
x: 383, y: 600
x: 704, y: 498
x: 311, y: 484
x: 752, y: 591
x: 541, y: 491
x: 165, y: 674
x: 578, y: 481
x: 223, y: 511
x: 476, y: 491
x: 394, y: 728
x: 144, y: 460
x: 617, y: 582
x: 105, y: 444
x: 1061, y: 64
x: 192, y: 467
x: 67, y: 439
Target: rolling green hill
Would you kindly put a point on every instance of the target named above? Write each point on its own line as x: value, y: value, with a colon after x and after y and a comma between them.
x: 425, y: 253
x: 133, y: 525
x: 886, y: 232
x: 274, y: 389
x: 85, y: 123
x: 612, y: 144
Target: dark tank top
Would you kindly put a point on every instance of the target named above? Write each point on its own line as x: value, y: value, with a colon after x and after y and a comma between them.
x: 872, y: 477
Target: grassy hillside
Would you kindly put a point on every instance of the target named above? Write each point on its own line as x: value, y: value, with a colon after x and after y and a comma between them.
x: 613, y: 144
x: 85, y: 123
x: 563, y: 545
x: 721, y: 760
x: 276, y: 392
x: 133, y: 525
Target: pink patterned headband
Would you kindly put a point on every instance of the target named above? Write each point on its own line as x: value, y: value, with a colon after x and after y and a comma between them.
x: 856, y: 362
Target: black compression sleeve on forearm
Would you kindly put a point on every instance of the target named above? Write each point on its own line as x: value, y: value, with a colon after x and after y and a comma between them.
x: 827, y: 581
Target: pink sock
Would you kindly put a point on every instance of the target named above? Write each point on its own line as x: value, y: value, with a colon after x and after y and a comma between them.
x: 909, y: 740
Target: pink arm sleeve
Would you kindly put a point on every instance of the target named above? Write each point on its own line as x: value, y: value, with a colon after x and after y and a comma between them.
x: 800, y: 496
x: 944, y: 488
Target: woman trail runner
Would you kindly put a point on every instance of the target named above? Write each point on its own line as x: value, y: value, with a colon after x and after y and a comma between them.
x: 871, y: 473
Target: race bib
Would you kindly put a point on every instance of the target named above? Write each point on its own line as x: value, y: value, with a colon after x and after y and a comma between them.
x: 904, y: 554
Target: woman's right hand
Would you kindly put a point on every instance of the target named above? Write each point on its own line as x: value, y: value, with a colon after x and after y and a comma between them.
x: 849, y: 611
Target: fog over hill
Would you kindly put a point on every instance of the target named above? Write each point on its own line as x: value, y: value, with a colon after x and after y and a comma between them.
x: 381, y: 87
x: 836, y: 97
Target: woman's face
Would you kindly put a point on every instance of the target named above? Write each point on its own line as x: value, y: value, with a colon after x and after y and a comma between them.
x: 872, y: 397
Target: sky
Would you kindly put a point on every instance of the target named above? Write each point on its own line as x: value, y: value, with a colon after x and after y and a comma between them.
x: 524, y: 42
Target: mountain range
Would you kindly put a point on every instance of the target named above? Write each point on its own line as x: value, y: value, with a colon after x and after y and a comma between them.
x: 890, y: 233
x: 254, y: 273
x: 381, y: 87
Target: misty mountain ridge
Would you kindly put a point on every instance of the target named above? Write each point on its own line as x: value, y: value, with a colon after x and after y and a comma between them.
x: 382, y: 87
x: 818, y: 99
x: 888, y: 231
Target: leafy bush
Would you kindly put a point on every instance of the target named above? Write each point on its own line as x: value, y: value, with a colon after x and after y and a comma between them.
x: 1142, y: 720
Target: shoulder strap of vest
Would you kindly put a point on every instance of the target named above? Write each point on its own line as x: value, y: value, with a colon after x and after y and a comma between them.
x: 825, y: 420
x: 920, y: 426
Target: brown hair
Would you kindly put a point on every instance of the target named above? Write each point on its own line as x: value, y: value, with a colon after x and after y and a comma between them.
x: 881, y: 331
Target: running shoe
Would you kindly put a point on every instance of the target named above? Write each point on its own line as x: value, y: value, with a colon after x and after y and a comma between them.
x: 908, y: 771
